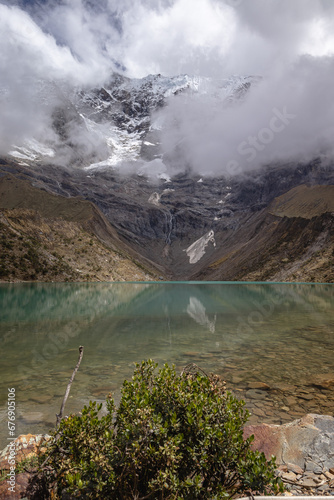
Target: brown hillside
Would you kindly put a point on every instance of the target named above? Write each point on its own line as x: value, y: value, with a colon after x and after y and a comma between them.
x: 292, y: 240
x: 46, y: 237
x: 19, y: 194
x: 304, y: 201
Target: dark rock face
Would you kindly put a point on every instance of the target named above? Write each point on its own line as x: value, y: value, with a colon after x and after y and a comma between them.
x: 121, y: 103
x: 186, y: 210
x: 168, y: 220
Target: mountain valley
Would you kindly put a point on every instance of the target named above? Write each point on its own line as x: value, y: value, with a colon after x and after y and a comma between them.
x: 274, y: 223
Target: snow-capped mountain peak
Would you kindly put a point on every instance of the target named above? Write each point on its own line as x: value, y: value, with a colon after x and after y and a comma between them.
x: 101, y: 128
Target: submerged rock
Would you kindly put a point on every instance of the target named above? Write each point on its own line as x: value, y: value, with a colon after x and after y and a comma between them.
x: 325, y: 381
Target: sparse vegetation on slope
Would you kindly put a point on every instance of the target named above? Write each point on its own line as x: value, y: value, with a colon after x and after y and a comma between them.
x: 24, y: 257
x: 276, y: 226
x: 59, y: 239
x: 291, y: 240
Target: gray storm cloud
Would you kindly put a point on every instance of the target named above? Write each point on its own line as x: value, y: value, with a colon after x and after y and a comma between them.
x: 287, y: 116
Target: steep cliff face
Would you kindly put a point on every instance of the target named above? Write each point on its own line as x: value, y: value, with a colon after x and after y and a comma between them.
x: 267, y: 226
x: 107, y: 127
x: 105, y: 148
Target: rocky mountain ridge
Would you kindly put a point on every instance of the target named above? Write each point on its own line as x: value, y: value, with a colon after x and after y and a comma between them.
x: 106, y: 149
x: 190, y: 233
x: 99, y: 128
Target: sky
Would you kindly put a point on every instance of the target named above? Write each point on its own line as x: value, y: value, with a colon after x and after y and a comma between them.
x: 290, y: 43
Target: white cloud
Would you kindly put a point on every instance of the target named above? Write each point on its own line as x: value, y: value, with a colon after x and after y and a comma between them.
x: 320, y: 41
x: 28, y: 56
x: 27, y: 51
x: 82, y: 41
x: 289, y: 116
x: 179, y: 39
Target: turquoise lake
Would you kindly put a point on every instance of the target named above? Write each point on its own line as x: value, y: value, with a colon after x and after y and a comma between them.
x: 272, y: 343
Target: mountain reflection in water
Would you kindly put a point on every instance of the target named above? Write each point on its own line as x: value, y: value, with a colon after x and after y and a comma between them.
x: 278, y: 334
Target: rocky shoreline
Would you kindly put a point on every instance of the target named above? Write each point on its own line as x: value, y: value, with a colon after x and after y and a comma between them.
x: 304, y: 450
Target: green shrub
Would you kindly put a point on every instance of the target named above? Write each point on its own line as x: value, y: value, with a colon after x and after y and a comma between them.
x: 172, y: 437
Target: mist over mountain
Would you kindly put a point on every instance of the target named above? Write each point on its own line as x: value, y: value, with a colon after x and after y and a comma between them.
x: 185, y: 127
x: 79, y: 45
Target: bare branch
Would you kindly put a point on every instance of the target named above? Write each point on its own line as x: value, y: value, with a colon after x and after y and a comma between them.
x: 68, y: 388
x: 192, y: 369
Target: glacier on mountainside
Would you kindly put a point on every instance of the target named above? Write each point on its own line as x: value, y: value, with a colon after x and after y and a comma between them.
x: 109, y: 126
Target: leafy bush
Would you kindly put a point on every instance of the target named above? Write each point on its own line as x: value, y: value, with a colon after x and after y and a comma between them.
x: 172, y: 436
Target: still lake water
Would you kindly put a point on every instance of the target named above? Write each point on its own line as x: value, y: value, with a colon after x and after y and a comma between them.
x: 281, y: 335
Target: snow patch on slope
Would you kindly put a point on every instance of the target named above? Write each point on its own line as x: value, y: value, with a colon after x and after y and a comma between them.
x: 197, y: 250
x: 31, y: 150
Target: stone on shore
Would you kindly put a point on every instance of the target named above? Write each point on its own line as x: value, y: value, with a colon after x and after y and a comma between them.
x: 258, y: 385
x: 304, y: 451
x: 26, y: 446
x: 309, y: 439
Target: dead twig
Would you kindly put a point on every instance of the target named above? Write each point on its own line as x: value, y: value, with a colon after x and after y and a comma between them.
x: 68, y: 388
x: 192, y: 369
